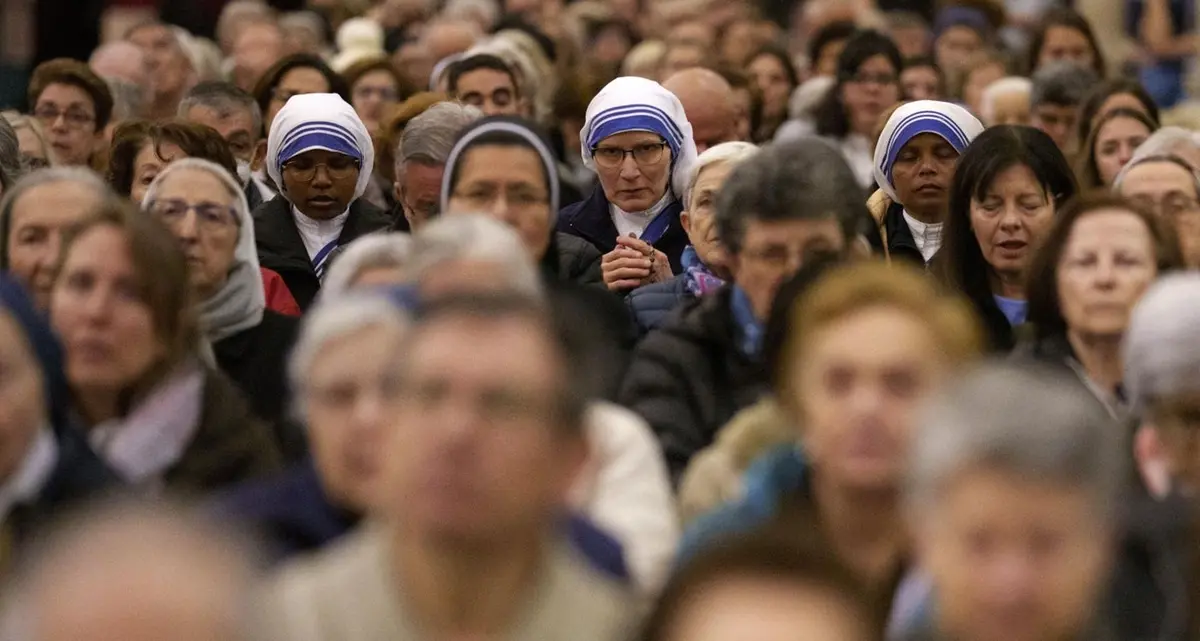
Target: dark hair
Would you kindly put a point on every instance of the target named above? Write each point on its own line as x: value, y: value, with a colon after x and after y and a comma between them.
x: 65, y: 71
x: 356, y: 71
x: 1102, y: 92
x: 219, y: 96
x: 827, y: 35
x: 960, y: 264
x: 780, y: 54
x: 476, y: 62
x: 197, y: 141
x: 830, y: 116
x: 269, y: 82
x: 779, y: 321
x: 737, y: 80
x: 773, y: 555
x: 1045, y: 312
x: 926, y: 62
x: 1088, y: 171
x: 1070, y: 19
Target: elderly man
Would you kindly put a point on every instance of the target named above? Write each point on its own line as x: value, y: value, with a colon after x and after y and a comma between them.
x: 421, y: 161
x: 1169, y: 186
x: 486, y: 440
x: 236, y: 116
x: 257, y: 46
x: 1058, y: 90
x: 708, y: 102
x: 171, y: 72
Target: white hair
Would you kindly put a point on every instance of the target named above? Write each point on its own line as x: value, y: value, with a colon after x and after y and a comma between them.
x: 808, y: 95
x: 330, y: 321
x: 725, y: 153
x: 486, y: 12
x: 474, y: 237
x: 373, y: 251
x: 1011, y: 84
x: 1166, y: 141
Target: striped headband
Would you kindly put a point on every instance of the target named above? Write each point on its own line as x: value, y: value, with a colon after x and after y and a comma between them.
x: 923, y: 122
x: 318, y: 135
x: 616, y: 120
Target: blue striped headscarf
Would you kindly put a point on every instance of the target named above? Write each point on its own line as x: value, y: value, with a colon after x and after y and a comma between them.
x: 953, y: 123
x: 638, y: 104
x: 319, y: 121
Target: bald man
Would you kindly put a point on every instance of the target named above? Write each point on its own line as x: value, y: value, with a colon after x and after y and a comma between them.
x: 708, y: 102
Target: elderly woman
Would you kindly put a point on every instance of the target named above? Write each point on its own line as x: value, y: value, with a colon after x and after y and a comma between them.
x: 141, y: 149
x: 914, y: 167
x: 320, y: 155
x: 1169, y: 186
x: 152, y: 409
x: 639, y: 141
x: 35, y: 214
x: 205, y: 209
x: 704, y: 268
x: 10, y: 157
x: 1178, y: 141
x: 375, y: 260
x: 1007, y: 189
x: 36, y: 152
x: 1007, y: 102
x: 1094, y: 264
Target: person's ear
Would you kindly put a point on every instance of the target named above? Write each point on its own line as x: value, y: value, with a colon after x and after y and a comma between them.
x: 685, y: 219
x: 260, y: 155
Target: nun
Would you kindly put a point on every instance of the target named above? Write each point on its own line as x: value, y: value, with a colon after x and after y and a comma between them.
x: 321, y: 156
x: 639, y: 142
x: 914, y: 167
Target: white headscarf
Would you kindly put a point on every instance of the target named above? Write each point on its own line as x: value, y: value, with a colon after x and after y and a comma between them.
x: 638, y: 104
x: 239, y: 304
x: 953, y: 123
x: 319, y: 121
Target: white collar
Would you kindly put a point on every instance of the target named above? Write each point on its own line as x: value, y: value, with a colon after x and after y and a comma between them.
x: 31, y: 475
x: 649, y: 214
x: 316, y: 234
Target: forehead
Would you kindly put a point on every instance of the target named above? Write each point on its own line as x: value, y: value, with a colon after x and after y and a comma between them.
x: 104, y: 248
x: 1108, y: 226
x: 205, y: 114
x: 57, y: 203
x: 303, y: 78
x: 510, y: 163
x: 484, y: 78
x: 1122, y: 125
x: 381, y: 338
x: 1157, y: 178
x: 781, y: 232
x: 714, y: 175
x: 64, y: 94
x: 894, y: 335
x: 499, y: 349
x: 423, y: 177
x: 1064, y: 35
x: 627, y: 138
x: 925, y: 141
x: 193, y: 181
x: 321, y: 155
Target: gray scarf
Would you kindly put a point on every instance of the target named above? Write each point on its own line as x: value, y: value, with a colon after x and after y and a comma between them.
x: 238, y: 306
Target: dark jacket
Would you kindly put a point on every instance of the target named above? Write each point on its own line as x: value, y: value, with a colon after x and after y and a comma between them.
x: 253, y: 195
x: 591, y: 220
x: 280, y: 247
x: 652, y: 304
x: 894, y: 229
x: 1055, y: 353
x: 689, y: 377
x: 78, y: 474
x: 256, y: 361
x: 578, y: 260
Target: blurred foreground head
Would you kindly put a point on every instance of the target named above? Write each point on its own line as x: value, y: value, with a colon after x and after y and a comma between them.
x: 132, y: 572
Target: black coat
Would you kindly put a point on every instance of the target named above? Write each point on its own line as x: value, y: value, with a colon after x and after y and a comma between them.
x: 78, y: 474
x: 591, y: 220
x: 280, y: 247
x: 652, y: 304
x: 900, y: 243
x: 256, y: 361
x: 689, y: 377
x: 578, y: 261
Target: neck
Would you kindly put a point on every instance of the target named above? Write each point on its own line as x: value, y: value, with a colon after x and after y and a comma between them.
x: 164, y: 106
x: 98, y: 405
x: 1007, y: 284
x: 1100, y: 357
x: 927, y: 217
x: 465, y: 590
x: 865, y: 528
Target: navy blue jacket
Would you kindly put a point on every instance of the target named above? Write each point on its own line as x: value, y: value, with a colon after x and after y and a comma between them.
x: 591, y: 220
x: 652, y: 304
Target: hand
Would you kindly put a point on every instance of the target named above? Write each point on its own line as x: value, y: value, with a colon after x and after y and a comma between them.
x: 660, y: 266
x: 624, y: 268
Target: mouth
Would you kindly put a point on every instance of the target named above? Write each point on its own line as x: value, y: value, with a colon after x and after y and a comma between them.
x: 322, y: 201
x: 1012, y: 245
x: 930, y: 189
x: 92, y: 350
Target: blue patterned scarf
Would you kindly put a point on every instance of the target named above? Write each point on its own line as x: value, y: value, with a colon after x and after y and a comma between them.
x: 700, y: 280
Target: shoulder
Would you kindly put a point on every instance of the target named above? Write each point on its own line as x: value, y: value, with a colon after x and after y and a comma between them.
x: 585, y: 600
x: 658, y: 293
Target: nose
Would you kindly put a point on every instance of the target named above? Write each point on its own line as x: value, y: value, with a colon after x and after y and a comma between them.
x: 1125, y: 154
x: 368, y: 412
x: 97, y: 306
x: 1105, y: 276
x: 321, y: 176
x: 499, y: 208
x: 1010, y: 220
x: 629, y: 168
x: 187, y: 227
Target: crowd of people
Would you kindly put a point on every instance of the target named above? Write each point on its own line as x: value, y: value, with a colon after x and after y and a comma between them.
x: 605, y: 320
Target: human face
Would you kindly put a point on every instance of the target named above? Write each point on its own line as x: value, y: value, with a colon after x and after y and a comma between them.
x: 870, y: 91
x: 1013, y: 558
x: 1010, y: 108
x: 258, y: 46
x: 350, y: 394
x: 236, y: 126
x: 301, y: 80
x: 634, y: 186
x: 772, y: 80
x: 713, y: 123
x: 743, y: 103
x: 1011, y: 219
x: 921, y: 83
x: 1057, y: 121
x: 377, y: 277
x: 977, y: 81
x: 22, y: 397
x: 611, y: 46
x: 33, y: 151
x: 321, y: 183
x: 478, y: 449
x: 922, y: 174
x: 1119, y: 101
x: 208, y: 233
x: 148, y: 163
x: 69, y: 117
x: 37, y: 223
x: 766, y: 610
x: 698, y: 220
x: 1170, y: 191
x: 373, y: 95
x: 107, y: 329
x: 955, y: 46
x: 861, y: 381
x: 507, y: 183
x: 773, y: 251
x: 1106, y: 266
x: 168, y: 66
x: 1066, y: 43
x: 1115, y: 143
x: 911, y: 41
x: 491, y: 90
x: 420, y: 191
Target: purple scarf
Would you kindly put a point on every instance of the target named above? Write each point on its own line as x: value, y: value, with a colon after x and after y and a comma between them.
x: 700, y: 281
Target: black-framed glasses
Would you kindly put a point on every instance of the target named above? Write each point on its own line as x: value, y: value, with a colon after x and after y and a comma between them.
x: 650, y: 153
x: 210, y: 216
x: 75, y: 118
x: 338, y: 167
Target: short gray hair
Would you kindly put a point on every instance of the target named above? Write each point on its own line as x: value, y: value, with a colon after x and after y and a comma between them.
x: 48, y: 176
x: 128, y: 99
x: 373, y: 251
x: 1035, y: 423
x: 476, y: 237
x: 806, y: 179
x: 223, y: 98
x: 429, y: 137
x: 1062, y: 83
x: 330, y: 321
x: 1162, y: 344
x: 1002, y: 87
x: 1139, y: 160
x: 725, y: 153
x: 10, y: 156
x: 1166, y: 141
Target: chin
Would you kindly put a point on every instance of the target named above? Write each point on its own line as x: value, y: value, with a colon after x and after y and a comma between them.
x: 635, y: 205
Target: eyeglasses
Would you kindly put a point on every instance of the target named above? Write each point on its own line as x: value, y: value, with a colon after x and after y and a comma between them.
x: 882, y: 79
x: 338, y: 167
x: 781, y: 256
x: 209, y: 216
x: 645, y: 154
x: 1170, y: 206
x: 75, y: 118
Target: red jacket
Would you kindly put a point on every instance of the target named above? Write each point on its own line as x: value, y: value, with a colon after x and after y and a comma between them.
x: 279, y: 299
